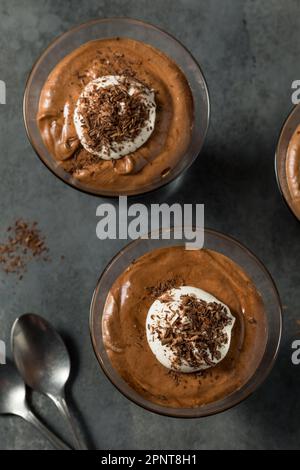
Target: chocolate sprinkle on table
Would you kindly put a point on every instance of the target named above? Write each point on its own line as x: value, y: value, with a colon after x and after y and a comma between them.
x: 24, y: 243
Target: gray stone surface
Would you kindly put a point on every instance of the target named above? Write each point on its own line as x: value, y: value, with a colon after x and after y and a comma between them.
x: 249, y: 52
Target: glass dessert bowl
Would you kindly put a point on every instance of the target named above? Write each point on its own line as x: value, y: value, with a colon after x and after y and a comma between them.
x: 147, y: 65
x: 222, y: 288
x: 287, y: 161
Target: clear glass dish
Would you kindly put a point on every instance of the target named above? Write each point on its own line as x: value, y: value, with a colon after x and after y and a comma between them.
x: 106, y: 28
x: 248, y: 262
x: 286, y: 133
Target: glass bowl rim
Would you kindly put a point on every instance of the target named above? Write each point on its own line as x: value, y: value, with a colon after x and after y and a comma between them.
x: 86, y: 24
x: 147, y: 405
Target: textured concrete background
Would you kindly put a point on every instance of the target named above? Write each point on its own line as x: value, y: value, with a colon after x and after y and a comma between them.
x: 249, y: 52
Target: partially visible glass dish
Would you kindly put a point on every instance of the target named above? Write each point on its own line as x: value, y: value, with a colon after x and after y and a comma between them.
x: 287, y: 131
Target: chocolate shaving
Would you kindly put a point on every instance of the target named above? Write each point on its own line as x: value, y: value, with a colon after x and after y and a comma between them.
x: 25, y: 242
x: 111, y: 116
x: 162, y: 287
x: 197, y: 334
x: 175, y: 376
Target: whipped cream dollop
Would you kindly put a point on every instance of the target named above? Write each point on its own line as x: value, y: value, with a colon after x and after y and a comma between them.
x: 114, y: 116
x: 188, y: 329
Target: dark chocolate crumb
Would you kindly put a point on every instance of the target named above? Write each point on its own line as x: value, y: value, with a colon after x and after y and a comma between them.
x: 24, y: 243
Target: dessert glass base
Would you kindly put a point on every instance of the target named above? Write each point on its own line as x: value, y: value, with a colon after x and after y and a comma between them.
x: 254, y: 269
x: 121, y: 28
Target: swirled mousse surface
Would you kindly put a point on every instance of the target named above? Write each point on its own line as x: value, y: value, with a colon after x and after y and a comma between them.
x: 125, y: 335
x: 120, y: 57
x: 293, y: 170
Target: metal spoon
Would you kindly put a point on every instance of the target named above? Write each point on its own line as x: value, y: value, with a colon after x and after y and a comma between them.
x: 13, y: 402
x: 44, y: 363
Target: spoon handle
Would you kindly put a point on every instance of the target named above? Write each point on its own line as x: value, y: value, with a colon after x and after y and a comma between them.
x: 55, y: 441
x: 62, y: 406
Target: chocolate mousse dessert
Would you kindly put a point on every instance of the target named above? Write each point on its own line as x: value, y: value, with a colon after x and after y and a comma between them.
x: 184, y: 328
x: 117, y: 115
x: 292, y: 170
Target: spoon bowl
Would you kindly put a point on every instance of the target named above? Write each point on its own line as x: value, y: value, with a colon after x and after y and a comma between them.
x: 13, y: 402
x: 12, y: 391
x: 40, y: 355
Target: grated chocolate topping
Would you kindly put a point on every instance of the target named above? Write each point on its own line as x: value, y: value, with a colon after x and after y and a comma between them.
x: 195, y: 332
x: 164, y: 286
x: 112, y: 115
